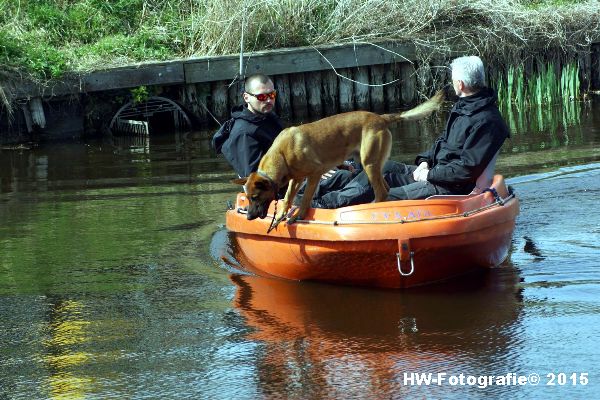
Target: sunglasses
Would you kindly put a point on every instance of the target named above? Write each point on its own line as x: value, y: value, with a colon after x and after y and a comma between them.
x: 264, y: 96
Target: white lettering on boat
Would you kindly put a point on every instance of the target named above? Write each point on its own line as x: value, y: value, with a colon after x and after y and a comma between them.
x: 410, y: 215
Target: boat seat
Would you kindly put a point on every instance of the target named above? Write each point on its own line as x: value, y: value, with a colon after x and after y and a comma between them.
x: 483, y: 182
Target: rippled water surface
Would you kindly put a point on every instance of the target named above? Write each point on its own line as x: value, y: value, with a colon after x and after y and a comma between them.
x: 111, y: 284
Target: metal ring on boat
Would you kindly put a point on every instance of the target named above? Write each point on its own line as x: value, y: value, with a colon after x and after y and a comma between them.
x: 412, y: 264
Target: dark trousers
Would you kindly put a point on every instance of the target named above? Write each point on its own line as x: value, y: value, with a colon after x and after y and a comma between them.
x: 358, y: 191
x: 337, y: 180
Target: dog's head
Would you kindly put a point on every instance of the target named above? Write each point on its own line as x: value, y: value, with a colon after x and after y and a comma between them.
x: 261, y: 191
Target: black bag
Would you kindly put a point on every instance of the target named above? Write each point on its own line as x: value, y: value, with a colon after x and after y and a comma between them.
x: 222, y: 135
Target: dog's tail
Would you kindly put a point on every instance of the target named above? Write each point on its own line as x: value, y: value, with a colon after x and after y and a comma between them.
x: 419, y: 112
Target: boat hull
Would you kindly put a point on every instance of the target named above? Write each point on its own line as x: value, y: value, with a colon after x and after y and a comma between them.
x: 397, y: 244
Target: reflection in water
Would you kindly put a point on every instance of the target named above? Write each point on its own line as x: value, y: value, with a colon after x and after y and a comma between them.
x: 345, y: 342
x: 133, y: 144
x: 66, y: 331
x: 542, y: 128
x: 124, y: 160
x: 108, y: 290
x: 549, y: 119
x: 531, y: 248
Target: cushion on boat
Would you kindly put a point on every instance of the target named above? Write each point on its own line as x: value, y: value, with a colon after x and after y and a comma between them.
x: 483, y: 182
x: 485, y: 179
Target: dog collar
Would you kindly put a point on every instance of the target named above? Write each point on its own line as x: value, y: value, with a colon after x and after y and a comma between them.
x: 271, y: 181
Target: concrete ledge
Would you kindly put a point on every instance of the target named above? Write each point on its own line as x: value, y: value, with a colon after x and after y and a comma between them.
x: 220, y: 68
x: 171, y: 73
x: 223, y: 68
x: 302, y: 59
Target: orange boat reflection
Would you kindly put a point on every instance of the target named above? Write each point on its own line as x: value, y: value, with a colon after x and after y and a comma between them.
x: 396, y: 244
x: 336, y: 331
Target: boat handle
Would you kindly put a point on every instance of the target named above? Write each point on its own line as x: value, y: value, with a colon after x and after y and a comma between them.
x: 412, y: 264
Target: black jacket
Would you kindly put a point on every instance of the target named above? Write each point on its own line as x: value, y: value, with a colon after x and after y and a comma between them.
x: 475, y: 131
x: 245, y: 138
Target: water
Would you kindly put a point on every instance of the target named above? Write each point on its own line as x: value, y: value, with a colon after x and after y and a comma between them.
x: 111, y: 284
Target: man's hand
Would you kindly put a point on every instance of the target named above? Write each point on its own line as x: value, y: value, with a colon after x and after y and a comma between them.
x: 347, y: 165
x: 420, y: 174
x: 328, y: 174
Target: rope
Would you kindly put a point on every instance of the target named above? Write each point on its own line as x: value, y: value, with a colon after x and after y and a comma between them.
x: 358, y: 82
x: 495, y: 193
x: 500, y: 202
x: 271, y: 227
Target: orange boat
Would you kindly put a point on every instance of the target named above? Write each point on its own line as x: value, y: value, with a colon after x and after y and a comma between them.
x: 396, y: 244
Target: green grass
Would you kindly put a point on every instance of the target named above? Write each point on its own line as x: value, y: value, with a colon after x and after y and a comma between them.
x: 47, y: 38
x: 547, y: 85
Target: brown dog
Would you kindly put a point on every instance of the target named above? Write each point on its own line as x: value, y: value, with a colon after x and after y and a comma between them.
x: 309, y: 150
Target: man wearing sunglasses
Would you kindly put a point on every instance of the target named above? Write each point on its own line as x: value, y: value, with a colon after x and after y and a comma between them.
x: 253, y: 126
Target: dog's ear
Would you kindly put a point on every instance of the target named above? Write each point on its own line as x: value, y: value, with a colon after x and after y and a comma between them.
x: 240, y: 181
x: 262, y: 184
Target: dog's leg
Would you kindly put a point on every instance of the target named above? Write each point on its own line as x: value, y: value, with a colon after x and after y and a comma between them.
x: 309, y: 192
x: 292, y: 190
x: 379, y: 185
x: 374, y: 153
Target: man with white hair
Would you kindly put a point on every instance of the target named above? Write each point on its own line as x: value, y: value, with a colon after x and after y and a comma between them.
x: 474, y: 133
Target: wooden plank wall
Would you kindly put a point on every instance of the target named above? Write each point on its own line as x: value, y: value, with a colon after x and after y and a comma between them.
x: 595, y: 67
x: 317, y: 82
x: 311, y: 95
x: 311, y: 82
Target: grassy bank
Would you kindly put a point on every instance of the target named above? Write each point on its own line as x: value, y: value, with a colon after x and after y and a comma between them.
x: 45, y: 39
